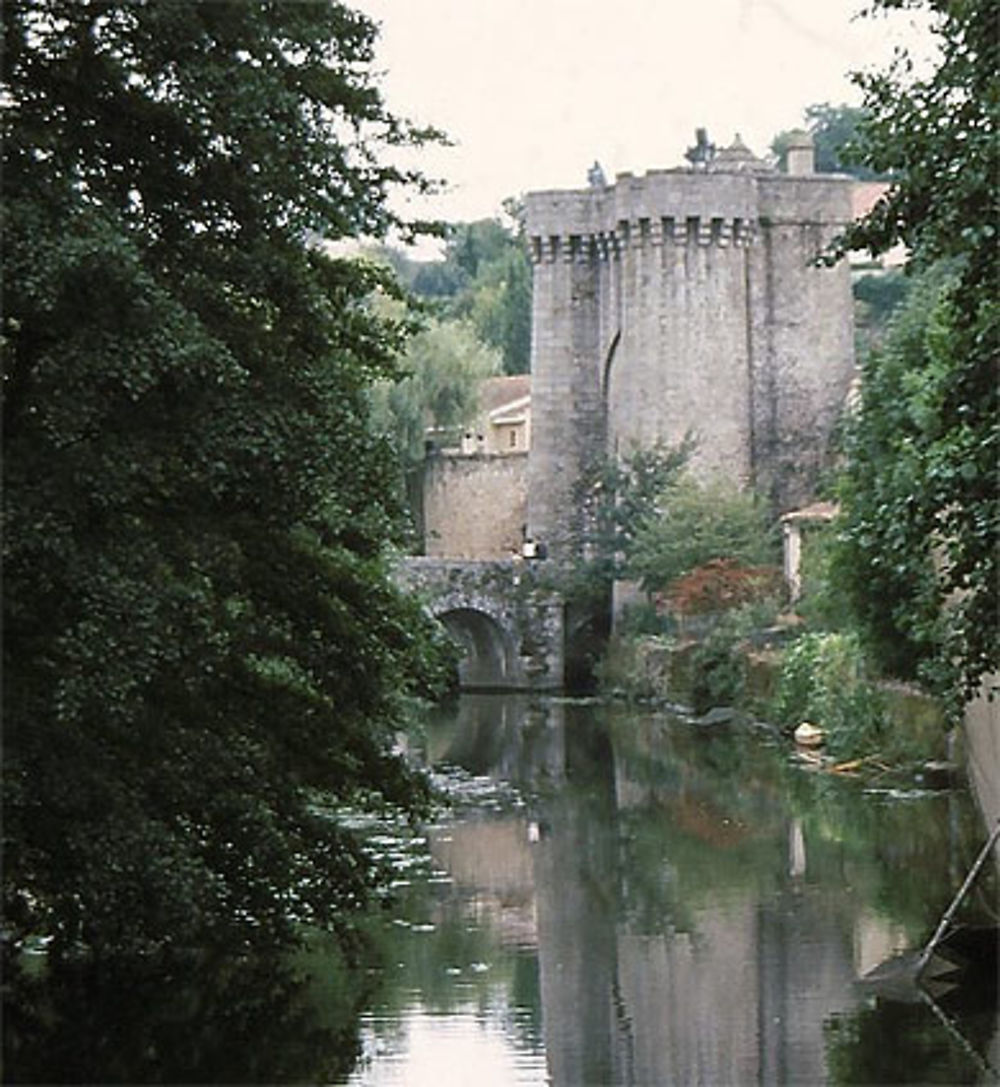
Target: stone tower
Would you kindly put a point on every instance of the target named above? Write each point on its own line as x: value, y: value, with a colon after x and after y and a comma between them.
x: 687, y: 300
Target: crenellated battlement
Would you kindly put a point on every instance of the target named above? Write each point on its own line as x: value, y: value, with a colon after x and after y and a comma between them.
x: 640, y: 233
x: 681, y: 207
x: 687, y: 302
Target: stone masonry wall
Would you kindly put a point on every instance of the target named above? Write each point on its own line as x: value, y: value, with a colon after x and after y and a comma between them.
x: 808, y: 334
x: 474, y: 506
x: 568, y: 423
x: 687, y: 301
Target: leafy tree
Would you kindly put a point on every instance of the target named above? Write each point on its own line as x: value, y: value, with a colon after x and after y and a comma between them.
x: 443, y: 366
x: 922, y: 479
x: 834, y: 130
x: 485, y: 279
x: 199, y: 627
x: 696, y: 523
x: 888, y: 576
x: 615, y: 499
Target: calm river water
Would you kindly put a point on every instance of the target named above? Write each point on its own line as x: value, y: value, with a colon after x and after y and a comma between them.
x: 626, y: 897
x: 614, y: 897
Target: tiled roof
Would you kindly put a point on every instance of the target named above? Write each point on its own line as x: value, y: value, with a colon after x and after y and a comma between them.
x: 496, y: 392
x: 865, y: 195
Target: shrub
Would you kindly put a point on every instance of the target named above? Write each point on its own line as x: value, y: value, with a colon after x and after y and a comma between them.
x: 718, y: 670
x: 698, y: 524
x: 720, y: 585
x: 823, y: 680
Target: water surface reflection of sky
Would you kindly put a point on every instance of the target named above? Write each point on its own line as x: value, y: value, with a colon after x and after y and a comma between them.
x: 455, y: 1050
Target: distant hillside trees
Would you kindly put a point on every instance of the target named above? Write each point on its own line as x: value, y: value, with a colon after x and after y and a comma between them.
x: 483, y: 278
x: 877, y: 297
x: 834, y: 130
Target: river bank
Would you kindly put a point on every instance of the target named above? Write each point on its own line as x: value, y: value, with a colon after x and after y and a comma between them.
x: 659, y: 670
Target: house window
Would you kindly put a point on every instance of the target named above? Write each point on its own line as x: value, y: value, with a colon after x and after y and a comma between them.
x: 513, y: 438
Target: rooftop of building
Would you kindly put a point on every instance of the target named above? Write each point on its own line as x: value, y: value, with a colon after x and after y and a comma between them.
x: 499, y: 392
x: 865, y: 195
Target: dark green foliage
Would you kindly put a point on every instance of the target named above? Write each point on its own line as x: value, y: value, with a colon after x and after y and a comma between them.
x: 199, y: 627
x: 886, y: 1041
x: 615, y: 500
x: 921, y: 497
x: 883, y: 565
x: 213, y: 1017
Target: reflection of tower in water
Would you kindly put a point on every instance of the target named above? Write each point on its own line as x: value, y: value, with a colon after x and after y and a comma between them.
x: 688, y: 926
x: 576, y: 887
x: 740, y: 996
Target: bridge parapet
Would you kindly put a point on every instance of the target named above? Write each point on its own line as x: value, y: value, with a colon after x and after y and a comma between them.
x: 508, y: 619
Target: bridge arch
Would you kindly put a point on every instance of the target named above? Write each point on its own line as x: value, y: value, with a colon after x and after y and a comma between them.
x: 490, y: 658
x: 501, y: 612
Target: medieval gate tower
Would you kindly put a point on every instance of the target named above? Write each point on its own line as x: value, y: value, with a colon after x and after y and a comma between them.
x: 687, y: 300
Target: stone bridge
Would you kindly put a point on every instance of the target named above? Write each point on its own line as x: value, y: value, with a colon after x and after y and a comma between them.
x: 510, y: 623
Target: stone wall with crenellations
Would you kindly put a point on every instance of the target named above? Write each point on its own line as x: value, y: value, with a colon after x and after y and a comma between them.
x: 687, y: 301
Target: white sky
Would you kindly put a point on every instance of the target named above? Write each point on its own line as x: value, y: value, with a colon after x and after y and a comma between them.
x: 532, y: 91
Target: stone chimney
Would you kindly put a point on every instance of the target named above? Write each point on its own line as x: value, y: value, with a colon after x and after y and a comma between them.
x: 801, y: 155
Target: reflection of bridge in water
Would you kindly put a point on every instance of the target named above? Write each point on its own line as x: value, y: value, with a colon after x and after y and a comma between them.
x: 508, y: 619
